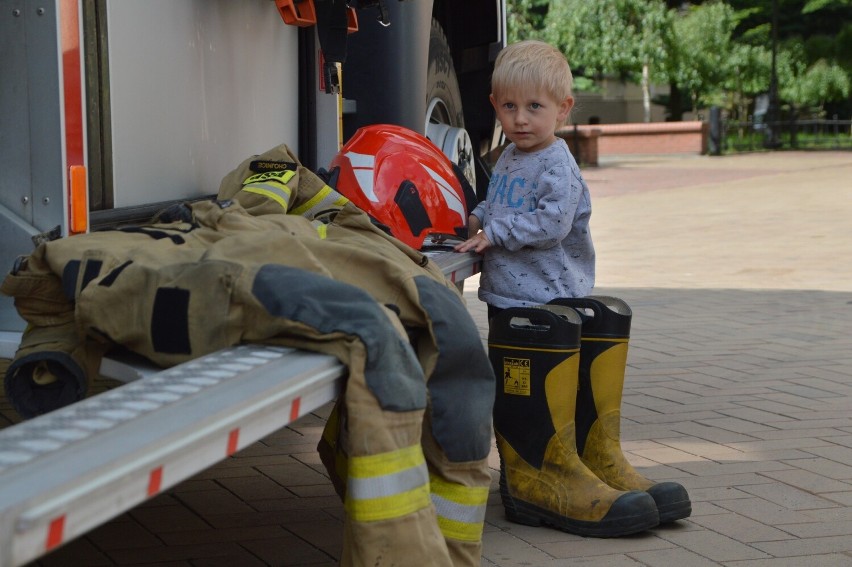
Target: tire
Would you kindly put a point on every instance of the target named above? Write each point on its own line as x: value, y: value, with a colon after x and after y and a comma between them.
x: 444, y: 112
x: 442, y: 86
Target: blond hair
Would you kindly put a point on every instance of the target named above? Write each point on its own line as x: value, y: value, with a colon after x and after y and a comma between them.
x: 532, y: 63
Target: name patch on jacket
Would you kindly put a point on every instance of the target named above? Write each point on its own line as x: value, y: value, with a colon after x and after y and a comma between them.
x: 264, y: 165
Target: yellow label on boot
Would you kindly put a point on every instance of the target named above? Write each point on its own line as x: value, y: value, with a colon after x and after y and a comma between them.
x: 516, y: 376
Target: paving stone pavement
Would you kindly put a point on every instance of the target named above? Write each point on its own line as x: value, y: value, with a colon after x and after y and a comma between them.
x: 739, y: 386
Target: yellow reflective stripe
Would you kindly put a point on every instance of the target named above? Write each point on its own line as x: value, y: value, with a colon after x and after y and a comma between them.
x: 322, y: 229
x: 460, y: 494
x: 387, y: 507
x: 388, y: 485
x: 387, y: 463
x: 279, y: 194
x: 460, y: 530
x: 326, y: 196
x: 461, y: 509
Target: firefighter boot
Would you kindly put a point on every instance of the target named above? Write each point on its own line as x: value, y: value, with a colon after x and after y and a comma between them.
x: 534, y: 352
x: 603, y: 358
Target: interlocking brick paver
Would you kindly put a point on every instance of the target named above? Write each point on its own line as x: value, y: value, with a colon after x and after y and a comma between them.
x: 620, y: 560
x: 292, y: 474
x: 700, y: 508
x: 296, y: 504
x: 765, y: 511
x: 825, y: 468
x: 717, y: 494
x: 589, y: 546
x: 820, y: 529
x: 164, y: 519
x: 843, y: 514
x: 810, y: 481
x: 724, y: 480
x: 789, y: 497
x: 83, y: 553
x: 742, y: 529
x: 239, y: 534
x: 714, y: 546
x: 842, y: 498
x: 257, y: 487
x: 205, y: 552
x: 290, y: 550
x: 821, y: 560
x: 805, y: 546
x: 671, y: 556
x: 325, y: 535
x: 506, y: 549
x: 123, y: 532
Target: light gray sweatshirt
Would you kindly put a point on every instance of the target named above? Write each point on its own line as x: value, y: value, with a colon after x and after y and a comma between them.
x: 536, y: 215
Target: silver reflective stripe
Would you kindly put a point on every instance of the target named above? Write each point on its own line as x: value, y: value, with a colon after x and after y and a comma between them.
x: 387, y: 485
x: 278, y: 189
x: 331, y: 200
x: 450, y: 196
x: 458, y: 512
x: 363, y: 166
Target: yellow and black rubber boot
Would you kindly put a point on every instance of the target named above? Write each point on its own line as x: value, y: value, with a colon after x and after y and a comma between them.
x: 534, y: 352
x: 603, y: 359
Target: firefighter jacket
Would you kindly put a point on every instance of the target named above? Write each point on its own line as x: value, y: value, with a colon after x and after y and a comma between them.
x: 279, y: 257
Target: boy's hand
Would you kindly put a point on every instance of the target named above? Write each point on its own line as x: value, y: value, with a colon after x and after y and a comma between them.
x: 478, y: 243
x: 474, y: 225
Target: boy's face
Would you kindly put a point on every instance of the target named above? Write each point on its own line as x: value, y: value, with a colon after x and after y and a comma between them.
x: 530, y: 117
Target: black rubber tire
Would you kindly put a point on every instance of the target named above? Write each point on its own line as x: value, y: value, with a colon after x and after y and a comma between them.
x: 442, y: 84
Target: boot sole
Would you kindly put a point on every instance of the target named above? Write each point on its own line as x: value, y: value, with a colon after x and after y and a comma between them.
x: 674, y: 511
x: 672, y: 501
x: 527, y: 514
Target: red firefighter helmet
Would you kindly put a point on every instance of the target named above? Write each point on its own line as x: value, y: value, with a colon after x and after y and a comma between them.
x: 405, y: 183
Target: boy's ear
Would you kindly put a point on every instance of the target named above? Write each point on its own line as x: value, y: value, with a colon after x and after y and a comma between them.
x: 565, y: 108
x: 493, y: 100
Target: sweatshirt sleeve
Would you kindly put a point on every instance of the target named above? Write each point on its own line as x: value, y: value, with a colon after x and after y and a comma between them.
x: 559, y: 193
x: 479, y: 211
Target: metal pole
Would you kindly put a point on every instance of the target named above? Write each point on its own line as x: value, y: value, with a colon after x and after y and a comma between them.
x: 772, y: 123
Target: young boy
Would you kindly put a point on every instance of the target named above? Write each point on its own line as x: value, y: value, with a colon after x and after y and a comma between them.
x: 537, y: 247
x: 534, y: 221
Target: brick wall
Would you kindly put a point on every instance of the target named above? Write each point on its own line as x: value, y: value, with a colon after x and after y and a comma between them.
x: 589, y: 142
x: 583, y: 143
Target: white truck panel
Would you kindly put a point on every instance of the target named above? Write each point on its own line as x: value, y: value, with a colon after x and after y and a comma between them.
x: 196, y: 86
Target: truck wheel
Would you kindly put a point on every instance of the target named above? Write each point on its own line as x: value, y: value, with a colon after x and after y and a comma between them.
x: 444, y: 116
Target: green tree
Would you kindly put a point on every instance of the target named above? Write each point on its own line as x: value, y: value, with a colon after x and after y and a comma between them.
x: 699, y: 52
x: 609, y: 37
x: 714, y: 52
x: 525, y: 19
x: 814, y: 56
x: 813, y: 86
x: 750, y: 67
x: 816, y: 5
